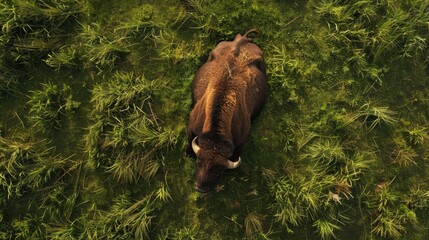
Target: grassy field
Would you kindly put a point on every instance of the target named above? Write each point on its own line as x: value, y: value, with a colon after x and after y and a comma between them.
x: 95, y: 97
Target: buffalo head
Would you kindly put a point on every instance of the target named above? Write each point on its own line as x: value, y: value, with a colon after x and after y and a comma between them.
x: 211, y: 162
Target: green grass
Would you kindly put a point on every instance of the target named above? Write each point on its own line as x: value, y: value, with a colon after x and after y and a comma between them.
x: 48, y: 104
x: 326, y: 229
x: 417, y: 135
x: 9, y: 79
x: 65, y: 56
x: 126, y: 127
x: 101, y: 49
x: 95, y: 97
x: 30, y: 29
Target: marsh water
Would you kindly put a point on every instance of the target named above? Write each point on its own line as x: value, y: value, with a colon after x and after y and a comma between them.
x: 95, y: 98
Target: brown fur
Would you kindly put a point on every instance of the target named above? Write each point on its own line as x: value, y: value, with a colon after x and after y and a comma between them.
x: 228, y: 91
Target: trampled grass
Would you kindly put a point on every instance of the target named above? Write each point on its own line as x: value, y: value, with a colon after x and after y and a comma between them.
x: 96, y: 96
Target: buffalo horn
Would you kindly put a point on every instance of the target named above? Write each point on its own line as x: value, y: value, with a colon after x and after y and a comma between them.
x: 232, y: 165
x: 195, y: 145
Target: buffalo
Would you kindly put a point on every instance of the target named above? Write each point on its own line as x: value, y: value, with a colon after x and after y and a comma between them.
x: 228, y: 92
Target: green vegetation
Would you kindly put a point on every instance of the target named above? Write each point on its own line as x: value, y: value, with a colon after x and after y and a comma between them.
x: 47, y: 104
x: 95, y: 97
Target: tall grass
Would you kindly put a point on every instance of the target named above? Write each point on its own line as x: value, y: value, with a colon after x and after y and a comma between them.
x: 123, y: 92
x: 60, y: 231
x: 127, y: 128
x: 325, y: 228
x: 367, y: 32
x: 316, y: 188
x: 185, y: 232
x: 382, y: 27
x: 371, y: 116
x: 171, y: 47
x: 253, y: 224
x: 297, y: 200
x: 387, y: 223
x: 417, y: 135
x: 141, y: 24
x: 9, y: 78
x: 202, y: 18
x: 393, y: 213
x: 328, y: 151
x: 127, y: 218
x: 27, y: 227
x: 48, y: 104
x: 15, y: 158
x: 281, y: 81
x: 30, y: 29
x: 418, y: 197
x: 27, y: 166
x: 103, y: 49
x: 64, y: 56
x: 374, y: 116
x: 404, y: 156
x: 342, y: 120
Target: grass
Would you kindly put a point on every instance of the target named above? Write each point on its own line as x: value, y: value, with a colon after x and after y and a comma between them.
x: 375, y: 116
x: 9, y: 79
x: 163, y: 193
x: 417, y: 135
x: 30, y: 29
x: 299, y: 200
x: 386, y: 223
x: 29, y: 168
x: 372, y: 116
x: 141, y: 24
x: 48, y: 104
x: 404, y: 156
x: 124, y: 91
x: 387, y: 226
x: 126, y: 219
x: 253, y: 224
x: 326, y: 229
x: 101, y: 50
x: 128, y: 127
x: 325, y: 151
x: 65, y: 56
x: 96, y: 98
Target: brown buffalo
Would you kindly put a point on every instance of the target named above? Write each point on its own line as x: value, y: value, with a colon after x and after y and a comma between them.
x: 228, y: 91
